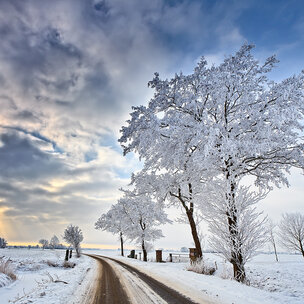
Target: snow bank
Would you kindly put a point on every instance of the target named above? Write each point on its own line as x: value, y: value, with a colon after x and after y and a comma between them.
x: 40, y: 282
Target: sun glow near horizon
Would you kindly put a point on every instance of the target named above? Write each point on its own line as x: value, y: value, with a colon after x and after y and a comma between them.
x: 83, y: 246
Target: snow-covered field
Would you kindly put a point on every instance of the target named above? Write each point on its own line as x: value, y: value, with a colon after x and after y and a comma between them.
x: 38, y: 282
x: 270, y: 282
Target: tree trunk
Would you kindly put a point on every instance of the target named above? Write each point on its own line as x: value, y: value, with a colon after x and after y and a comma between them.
x: 121, y: 245
x: 239, y: 272
x: 144, y: 251
x: 275, y: 251
x: 194, y: 233
x: 189, y: 212
x: 301, y: 248
x: 236, y: 251
x: 77, y: 251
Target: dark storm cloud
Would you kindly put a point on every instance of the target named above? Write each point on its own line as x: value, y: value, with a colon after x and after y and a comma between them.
x: 42, y: 140
x: 33, y: 52
x: 19, y: 157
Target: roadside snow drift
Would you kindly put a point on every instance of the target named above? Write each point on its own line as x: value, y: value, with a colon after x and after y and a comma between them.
x: 42, y: 278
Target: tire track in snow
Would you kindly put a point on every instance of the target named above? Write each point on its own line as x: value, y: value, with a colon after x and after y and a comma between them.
x: 138, y: 287
x: 107, y: 288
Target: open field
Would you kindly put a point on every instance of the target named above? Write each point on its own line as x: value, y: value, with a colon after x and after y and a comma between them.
x: 41, y: 277
x: 39, y: 282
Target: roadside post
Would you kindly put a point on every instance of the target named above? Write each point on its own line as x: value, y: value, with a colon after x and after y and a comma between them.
x: 193, y: 254
x: 66, y: 255
x: 159, y: 256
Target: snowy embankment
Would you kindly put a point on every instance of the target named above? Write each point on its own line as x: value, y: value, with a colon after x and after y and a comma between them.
x: 270, y: 282
x: 41, y: 277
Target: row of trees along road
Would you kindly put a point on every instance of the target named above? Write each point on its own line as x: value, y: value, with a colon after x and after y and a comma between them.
x: 202, y: 134
x: 134, y: 217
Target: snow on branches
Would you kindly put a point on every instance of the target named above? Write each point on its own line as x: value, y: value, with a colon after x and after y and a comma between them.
x: 143, y: 216
x: 136, y: 217
x: 236, y: 227
x: 114, y: 221
x: 44, y: 243
x: 222, y: 122
x: 292, y: 231
x: 73, y: 235
x: 220, y: 119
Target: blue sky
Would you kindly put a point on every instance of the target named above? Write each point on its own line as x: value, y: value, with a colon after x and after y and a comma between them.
x: 70, y: 72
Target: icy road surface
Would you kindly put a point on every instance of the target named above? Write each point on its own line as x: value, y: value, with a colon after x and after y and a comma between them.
x: 118, y: 282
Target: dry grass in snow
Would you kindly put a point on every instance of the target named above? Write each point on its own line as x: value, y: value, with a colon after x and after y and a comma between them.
x: 201, y: 266
x: 7, y: 272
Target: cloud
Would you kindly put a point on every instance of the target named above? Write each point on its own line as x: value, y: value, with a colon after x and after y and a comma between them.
x: 19, y: 157
x: 70, y: 72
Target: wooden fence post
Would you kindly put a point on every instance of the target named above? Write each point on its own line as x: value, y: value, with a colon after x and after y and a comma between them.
x: 66, y: 255
x: 193, y: 254
x: 159, y: 258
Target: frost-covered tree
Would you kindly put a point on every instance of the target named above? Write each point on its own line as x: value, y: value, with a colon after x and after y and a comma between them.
x: 3, y: 243
x: 178, y: 190
x: 292, y: 231
x: 142, y: 216
x: 250, y: 233
x: 272, y: 232
x: 228, y: 121
x: 114, y: 221
x: 44, y: 243
x: 73, y: 235
x: 54, y: 242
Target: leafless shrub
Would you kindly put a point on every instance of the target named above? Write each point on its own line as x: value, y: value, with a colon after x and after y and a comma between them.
x: 67, y: 264
x: 200, y: 266
x: 226, y: 273
x: 29, y: 266
x: 52, y: 263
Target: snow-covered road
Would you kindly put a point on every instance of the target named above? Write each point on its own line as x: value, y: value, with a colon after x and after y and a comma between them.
x: 118, y: 282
